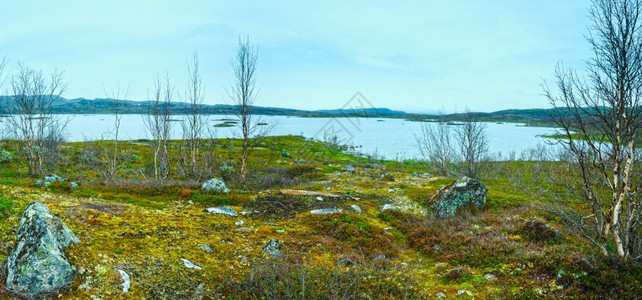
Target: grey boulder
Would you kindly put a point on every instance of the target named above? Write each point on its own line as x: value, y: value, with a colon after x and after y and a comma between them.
x: 466, y: 192
x: 215, y: 185
x: 49, y: 179
x: 37, y: 263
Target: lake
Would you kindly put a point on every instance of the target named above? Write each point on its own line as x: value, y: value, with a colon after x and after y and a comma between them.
x: 388, y: 138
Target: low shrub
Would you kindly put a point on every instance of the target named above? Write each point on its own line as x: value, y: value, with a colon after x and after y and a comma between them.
x: 294, y: 279
x: 5, y: 207
x: 538, y: 230
x: 5, y: 156
x: 353, y: 233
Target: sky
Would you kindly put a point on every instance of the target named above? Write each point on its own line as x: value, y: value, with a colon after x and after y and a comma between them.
x: 415, y: 56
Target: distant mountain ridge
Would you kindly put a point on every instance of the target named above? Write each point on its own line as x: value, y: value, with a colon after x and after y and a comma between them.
x: 105, y: 106
x: 537, y: 116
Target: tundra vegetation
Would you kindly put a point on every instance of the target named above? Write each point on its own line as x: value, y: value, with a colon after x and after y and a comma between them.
x: 517, y: 245
x: 552, y: 225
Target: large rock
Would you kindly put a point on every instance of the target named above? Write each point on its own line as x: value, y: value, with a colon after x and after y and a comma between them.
x: 49, y: 179
x: 466, y: 192
x: 216, y: 185
x: 37, y: 263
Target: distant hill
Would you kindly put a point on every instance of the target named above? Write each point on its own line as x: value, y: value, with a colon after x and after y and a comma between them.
x: 537, y: 116
x: 105, y: 106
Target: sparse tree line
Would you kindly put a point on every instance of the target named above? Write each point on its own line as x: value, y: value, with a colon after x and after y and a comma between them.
x: 39, y: 133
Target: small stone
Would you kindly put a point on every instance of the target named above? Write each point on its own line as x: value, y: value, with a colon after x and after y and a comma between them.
x: 440, y: 265
x: 325, y: 211
x: 243, y: 260
x: 379, y: 257
x: 280, y: 231
x: 273, y: 248
x: 126, y: 280
x: 243, y: 229
x: 319, y: 199
x: 518, y: 269
x: 461, y: 292
x: 349, y: 169
x: 387, y: 228
x: 270, y: 223
x: 344, y: 262
x: 328, y: 189
x: 490, y: 277
x: 205, y: 248
x: 285, y: 154
x: 391, y: 190
x: 222, y: 210
x: 388, y: 177
x: 440, y: 295
x: 191, y: 265
x: 388, y: 207
x: 455, y: 273
x: 239, y: 223
x: 356, y: 208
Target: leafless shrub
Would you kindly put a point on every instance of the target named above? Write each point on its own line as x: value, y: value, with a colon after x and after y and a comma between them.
x: 193, y: 124
x: 294, y: 278
x: 111, y: 153
x: 159, y: 126
x: 436, y: 147
x: 473, y: 146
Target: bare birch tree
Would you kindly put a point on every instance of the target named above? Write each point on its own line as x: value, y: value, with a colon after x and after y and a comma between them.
x: 243, y: 94
x: 159, y: 126
x: 193, y: 123
x: 599, y: 114
x: 116, y: 110
x: 473, y: 145
x: 435, y: 146
x: 31, y: 117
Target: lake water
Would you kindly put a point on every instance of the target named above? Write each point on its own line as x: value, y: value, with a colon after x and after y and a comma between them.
x: 388, y: 138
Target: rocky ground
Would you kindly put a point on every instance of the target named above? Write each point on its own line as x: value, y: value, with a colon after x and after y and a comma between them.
x: 329, y: 237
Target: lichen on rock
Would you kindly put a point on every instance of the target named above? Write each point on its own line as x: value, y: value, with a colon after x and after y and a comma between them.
x: 215, y: 185
x: 466, y: 192
x: 37, y: 263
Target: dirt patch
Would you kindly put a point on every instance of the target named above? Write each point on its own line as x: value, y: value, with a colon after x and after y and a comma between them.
x: 287, y: 203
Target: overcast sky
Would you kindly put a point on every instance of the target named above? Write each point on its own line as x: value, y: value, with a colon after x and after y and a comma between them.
x: 415, y: 56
